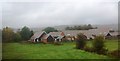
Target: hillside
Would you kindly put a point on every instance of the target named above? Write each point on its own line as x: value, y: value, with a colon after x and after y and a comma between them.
x: 62, y: 27
x: 111, y: 26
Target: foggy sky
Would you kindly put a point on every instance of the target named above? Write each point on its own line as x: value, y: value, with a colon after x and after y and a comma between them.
x: 58, y: 12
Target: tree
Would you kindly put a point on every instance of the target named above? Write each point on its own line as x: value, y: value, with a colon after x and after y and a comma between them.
x: 67, y: 28
x: 81, y: 41
x: 18, y: 31
x: 85, y: 27
x: 25, y: 33
x: 90, y: 26
x: 75, y: 27
x: 7, y: 34
x: 32, y: 33
x: 80, y: 27
x: 50, y: 29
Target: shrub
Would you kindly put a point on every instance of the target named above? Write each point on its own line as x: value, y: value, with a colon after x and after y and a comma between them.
x: 89, y: 49
x: 81, y: 41
x: 115, y: 53
x: 98, y: 45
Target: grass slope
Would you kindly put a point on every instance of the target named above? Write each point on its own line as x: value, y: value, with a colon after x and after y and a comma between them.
x: 50, y: 51
x: 46, y: 51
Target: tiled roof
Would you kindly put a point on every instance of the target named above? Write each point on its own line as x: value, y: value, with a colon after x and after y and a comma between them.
x: 46, y: 36
x: 88, y: 33
x: 114, y: 33
x: 74, y: 32
x: 37, y: 34
x: 55, y: 33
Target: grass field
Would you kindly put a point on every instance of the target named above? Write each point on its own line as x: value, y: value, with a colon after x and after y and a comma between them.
x: 109, y: 44
x: 50, y: 51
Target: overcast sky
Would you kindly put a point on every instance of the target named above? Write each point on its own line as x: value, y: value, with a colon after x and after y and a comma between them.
x: 45, y: 13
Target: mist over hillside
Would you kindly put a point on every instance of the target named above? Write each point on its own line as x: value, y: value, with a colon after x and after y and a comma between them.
x: 62, y: 27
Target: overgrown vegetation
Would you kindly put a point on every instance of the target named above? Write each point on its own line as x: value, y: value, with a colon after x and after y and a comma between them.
x: 98, y: 45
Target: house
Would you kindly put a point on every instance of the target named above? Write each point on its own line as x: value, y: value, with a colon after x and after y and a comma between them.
x: 111, y: 35
x: 105, y: 32
x: 90, y: 34
x: 42, y: 37
x: 72, y: 34
x: 58, y: 36
x: 47, y: 39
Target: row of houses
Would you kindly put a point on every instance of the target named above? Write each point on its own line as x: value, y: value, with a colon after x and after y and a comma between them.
x: 47, y: 38
x: 70, y: 35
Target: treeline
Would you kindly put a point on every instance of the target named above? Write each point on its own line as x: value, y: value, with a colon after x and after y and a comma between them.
x: 84, y: 27
x: 8, y: 35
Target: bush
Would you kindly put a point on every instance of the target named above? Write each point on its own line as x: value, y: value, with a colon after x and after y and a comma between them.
x: 98, y: 45
x: 81, y: 41
x: 89, y: 49
x: 115, y: 53
x: 17, y: 37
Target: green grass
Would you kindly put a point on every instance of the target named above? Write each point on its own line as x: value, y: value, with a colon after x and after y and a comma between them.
x: 109, y: 44
x: 48, y: 51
